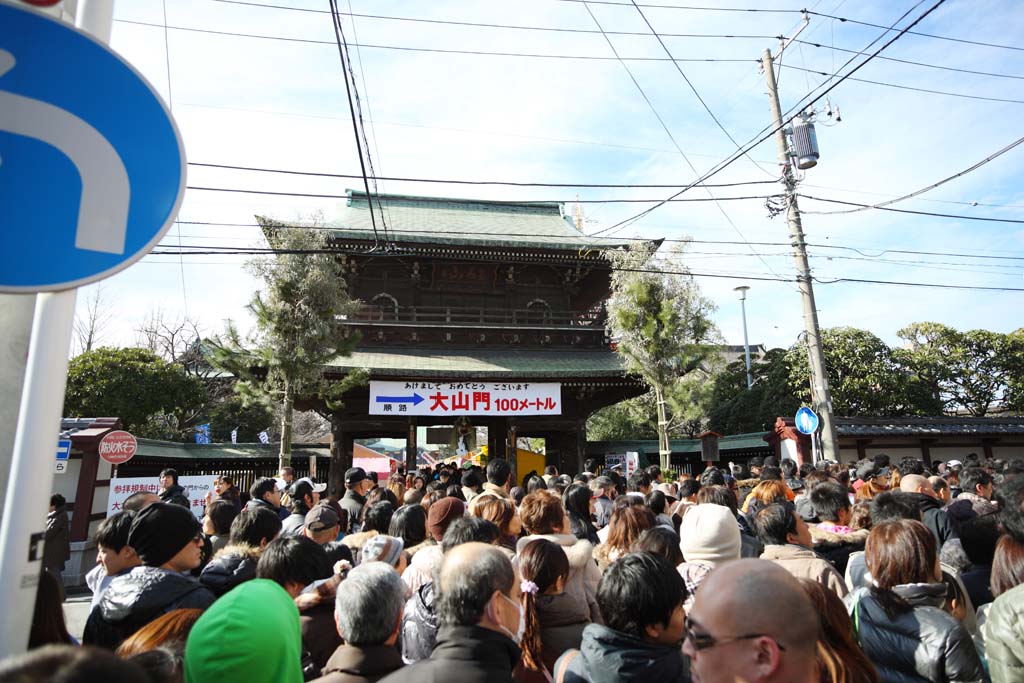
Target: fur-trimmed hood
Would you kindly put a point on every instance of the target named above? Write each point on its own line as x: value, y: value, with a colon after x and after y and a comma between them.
x: 830, y: 538
x: 233, y: 564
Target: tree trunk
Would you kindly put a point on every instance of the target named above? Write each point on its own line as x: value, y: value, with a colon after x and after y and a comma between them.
x: 664, y: 450
x: 285, y: 458
x: 340, y: 461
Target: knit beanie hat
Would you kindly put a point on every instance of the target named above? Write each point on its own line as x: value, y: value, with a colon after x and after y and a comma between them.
x: 383, y: 549
x: 709, y: 533
x: 441, y: 514
x: 160, y: 531
x: 250, y: 634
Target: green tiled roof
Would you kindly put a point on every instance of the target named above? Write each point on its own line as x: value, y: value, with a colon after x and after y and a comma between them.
x: 150, y: 448
x: 483, y: 363
x: 445, y: 221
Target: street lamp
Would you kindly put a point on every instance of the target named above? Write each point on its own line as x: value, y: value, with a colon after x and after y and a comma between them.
x: 746, y: 345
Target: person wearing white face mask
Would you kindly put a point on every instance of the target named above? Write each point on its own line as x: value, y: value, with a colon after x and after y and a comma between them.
x: 481, y: 620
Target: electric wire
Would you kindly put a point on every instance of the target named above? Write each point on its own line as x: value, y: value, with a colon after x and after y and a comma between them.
x: 916, y: 213
x: 668, y: 131
x: 924, y: 35
x: 899, y: 86
x: 718, y: 168
x: 969, y: 169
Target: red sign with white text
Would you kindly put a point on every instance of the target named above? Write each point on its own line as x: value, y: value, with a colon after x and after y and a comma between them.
x: 118, y: 447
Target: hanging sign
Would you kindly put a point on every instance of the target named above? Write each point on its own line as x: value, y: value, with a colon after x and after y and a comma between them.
x: 465, y: 398
x: 118, y: 447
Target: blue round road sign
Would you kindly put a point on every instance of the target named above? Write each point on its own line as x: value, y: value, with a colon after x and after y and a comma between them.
x: 806, y: 421
x: 92, y: 167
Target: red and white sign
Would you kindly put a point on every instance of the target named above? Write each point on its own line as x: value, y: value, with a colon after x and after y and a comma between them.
x: 465, y: 398
x: 196, y: 487
x: 118, y: 447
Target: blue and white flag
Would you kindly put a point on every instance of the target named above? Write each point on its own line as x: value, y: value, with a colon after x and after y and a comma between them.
x: 234, y: 435
x: 264, y: 437
x: 203, y: 433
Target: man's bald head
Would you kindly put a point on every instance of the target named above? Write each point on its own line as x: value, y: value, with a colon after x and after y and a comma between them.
x: 915, y: 483
x: 468, y: 578
x: 759, y: 596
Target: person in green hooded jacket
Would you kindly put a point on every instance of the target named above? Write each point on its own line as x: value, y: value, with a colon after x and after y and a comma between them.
x: 250, y: 634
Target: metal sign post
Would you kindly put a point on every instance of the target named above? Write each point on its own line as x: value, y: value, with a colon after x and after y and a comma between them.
x: 84, y: 119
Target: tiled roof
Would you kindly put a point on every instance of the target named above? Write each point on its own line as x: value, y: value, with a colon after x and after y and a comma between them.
x: 438, y: 220
x: 734, y: 442
x: 484, y: 363
x: 150, y: 448
x: 929, y: 426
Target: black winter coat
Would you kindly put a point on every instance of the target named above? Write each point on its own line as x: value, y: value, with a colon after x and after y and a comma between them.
x: 233, y: 565
x: 134, y: 599
x: 419, y: 625
x: 921, y: 644
x: 935, y: 518
x: 608, y: 656
x: 352, y: 503
x: 464, y: 654
x: 176, y: 495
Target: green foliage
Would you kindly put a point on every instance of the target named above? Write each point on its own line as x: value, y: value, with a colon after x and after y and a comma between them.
x: 232, y: 412
x: 663, y: 330
x: 866, y: 376
x: 972, y: 371
x: 737, y: 410
x: 296, y: 330
x: 150, y: 395
x: 634, y: 418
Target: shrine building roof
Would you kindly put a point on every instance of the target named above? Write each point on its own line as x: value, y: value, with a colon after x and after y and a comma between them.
x: 483, y: 363
x: 464, y: 222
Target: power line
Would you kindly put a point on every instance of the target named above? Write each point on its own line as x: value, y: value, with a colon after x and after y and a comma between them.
x: 918, y: 33
x: 695, y: 92
x: 426, y: 232
x: 345, y: 71
x: 469, y: 182
x: 718, y: 168
x: 515, y: 27
x: 916, y: 213
x: 969, y: 169
x: 688, y: 273
x: 912, y: 88
x: 490, y: 201
x: 908, y: 61
x: 405, y: 48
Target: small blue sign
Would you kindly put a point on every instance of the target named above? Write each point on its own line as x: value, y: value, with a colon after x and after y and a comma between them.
x: 203, y: 433
x: 92, y: 167
x: 64, y: 449
x: 806, y: 421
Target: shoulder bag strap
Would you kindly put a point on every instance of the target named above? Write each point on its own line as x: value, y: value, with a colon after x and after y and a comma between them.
x: 560, y: 673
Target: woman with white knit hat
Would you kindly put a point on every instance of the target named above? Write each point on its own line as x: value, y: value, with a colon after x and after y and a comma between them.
x: 708, y: 536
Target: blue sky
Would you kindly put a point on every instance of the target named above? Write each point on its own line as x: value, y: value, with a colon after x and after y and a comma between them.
x: 281, y: 104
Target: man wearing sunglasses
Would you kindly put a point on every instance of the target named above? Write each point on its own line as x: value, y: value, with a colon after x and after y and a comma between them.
x: 751, y: 622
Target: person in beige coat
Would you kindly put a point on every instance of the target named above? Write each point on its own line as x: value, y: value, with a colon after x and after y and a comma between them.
x: 543, y: 516
x: 787, y: 542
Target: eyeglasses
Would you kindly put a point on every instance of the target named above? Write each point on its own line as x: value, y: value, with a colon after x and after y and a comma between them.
x: 703, y: 641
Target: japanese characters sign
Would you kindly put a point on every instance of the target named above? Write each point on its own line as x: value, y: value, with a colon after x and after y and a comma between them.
x: 195, y: 489
x: 465, y: 398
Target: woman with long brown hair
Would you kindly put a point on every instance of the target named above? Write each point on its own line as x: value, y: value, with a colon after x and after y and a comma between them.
x: 624, y: 529
x: 503, y: 514
x: 902, y: 621
x: 554, y: 621
x: 169, y: 630
x: 840, y: 659
x: 765, y: 493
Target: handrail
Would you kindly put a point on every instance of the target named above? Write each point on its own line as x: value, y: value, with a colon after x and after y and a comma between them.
x: 475, y: 315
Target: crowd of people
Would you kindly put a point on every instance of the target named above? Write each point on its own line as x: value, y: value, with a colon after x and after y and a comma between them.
x: 830, y: 573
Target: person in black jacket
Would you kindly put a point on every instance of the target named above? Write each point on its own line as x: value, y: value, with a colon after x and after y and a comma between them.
x: 170, y: 491
x: 167, y: 538
x: 357, y: 485
x: 641, y: 601
x: 481, y: 620
x: 265, y: 493
x: 932, y: 514
x: 251, y: 531
x: 901, y: 621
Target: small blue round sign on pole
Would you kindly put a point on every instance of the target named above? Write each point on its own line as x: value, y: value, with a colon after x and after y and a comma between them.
x: 806, y: 421
x: 92, y: 167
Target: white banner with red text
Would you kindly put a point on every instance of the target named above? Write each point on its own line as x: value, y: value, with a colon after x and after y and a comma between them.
x: 196, y: 488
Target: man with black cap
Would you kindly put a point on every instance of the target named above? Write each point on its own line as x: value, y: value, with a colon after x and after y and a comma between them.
x: 303, y: 497
x: 168, y: 540
x: 322, y: 526
x: 357, y: 485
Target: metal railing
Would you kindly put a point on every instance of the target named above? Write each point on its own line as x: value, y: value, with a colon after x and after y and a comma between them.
x: 469, y: 316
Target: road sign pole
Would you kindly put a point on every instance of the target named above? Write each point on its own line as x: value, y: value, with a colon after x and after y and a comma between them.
x: 31, y: 475
x: 30, y: 478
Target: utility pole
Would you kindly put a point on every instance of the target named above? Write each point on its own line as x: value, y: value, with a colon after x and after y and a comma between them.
x: 820, y: 395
